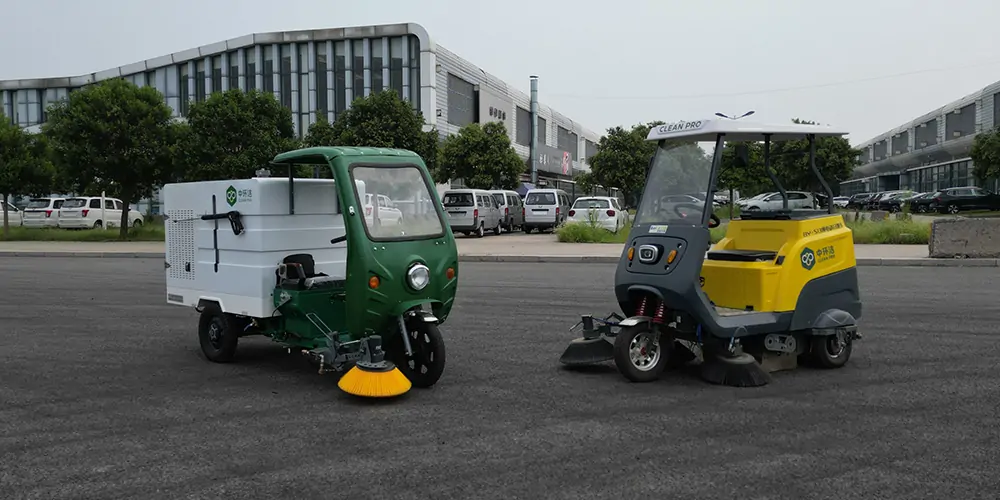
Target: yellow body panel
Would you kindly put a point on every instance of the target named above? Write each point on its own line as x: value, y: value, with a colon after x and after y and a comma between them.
x: 810, y: 248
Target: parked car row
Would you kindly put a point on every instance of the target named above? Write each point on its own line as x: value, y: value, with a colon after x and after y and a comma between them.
x: 947, y: 201
x: 476, y: 211
x: 83, y: 212
x: 797, y: 200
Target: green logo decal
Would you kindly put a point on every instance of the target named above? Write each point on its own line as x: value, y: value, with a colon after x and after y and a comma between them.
x: 231, y: 196
x: 808, y: 259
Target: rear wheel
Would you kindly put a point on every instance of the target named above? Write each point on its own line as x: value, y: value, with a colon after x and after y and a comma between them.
x: 137, y: 223
x: 640, y: 353
x: 527, y: 230
x: 425, y: 367
x: 952, y: 208
x: 831, y: 351
x: 481, y: 230
x: 218, y: 334
x: 499, y: 229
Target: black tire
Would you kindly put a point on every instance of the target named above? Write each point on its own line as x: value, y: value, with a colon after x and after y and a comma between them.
x: 527, y: 230
x: 426, y: 365
x: 499, y: 229
x: 952, y: 208
x: 218, y: 334
x: 623, y: 360
x: 826, y: 352
x: 480, y: 231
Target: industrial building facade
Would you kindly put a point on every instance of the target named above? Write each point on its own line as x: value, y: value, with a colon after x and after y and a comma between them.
x: 320, y: 72
x: 931, y: 152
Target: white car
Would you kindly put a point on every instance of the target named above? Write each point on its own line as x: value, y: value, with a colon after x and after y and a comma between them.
x: 604, y: 211
x: 841, y: 201
x: 43, y: 212
x: 13, y: 216
x: 797, y: 200
x: 85, y: 212
x: 387, y: 211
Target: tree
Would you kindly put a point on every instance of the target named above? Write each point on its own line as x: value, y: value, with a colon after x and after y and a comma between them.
x: 385, y: 120
x: 835, y: 159
x: 482, y: 155
x: 986, y: 156
x: 113, y: 136
x: 25, y: 168
x: 235, y: 133
x: 320, y: 133
x: 621, y: 160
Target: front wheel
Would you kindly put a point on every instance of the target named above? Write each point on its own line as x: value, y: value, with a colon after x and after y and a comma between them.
x: 426, y: 365
x: 952, y: 208
x: 499, y: 229
x: 640, y: 353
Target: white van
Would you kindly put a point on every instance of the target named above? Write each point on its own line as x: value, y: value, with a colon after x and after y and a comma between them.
x: 511, y: 208
x: 84, y: 212
x: 472, y: 211
x: 42, y: 212
x: 14, y: 217
x: 545, y: 209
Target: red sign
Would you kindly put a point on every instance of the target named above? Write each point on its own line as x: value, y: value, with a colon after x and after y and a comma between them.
x: 565, y: 163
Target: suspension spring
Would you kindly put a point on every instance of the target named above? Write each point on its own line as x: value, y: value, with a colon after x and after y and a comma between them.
x: 641, y: 310
x: 661, y: 310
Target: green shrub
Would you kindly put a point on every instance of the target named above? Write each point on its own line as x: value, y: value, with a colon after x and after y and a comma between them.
x: 890, y: 232
x: 146, y: 232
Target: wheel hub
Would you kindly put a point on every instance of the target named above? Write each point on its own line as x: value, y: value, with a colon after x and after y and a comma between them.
x: 215, y: 334
x: 836, y: 344
x: 644, y: 351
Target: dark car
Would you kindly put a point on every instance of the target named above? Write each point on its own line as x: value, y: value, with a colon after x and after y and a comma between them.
x: 858, y: 200
x: 954, y: 200
x: 872, y: 203
x: 893, y: 201
x: 922, y: 203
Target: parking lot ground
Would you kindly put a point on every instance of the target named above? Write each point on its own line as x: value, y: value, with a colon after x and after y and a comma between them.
x: 105, y: 395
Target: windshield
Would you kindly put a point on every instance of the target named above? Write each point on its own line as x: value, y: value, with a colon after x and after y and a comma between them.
x: 680, y: 171
x: 457, y: 200
x: 406, y: 207
x: 586, y: 203
x: 74, y: 203
x: 42, y: 203
x: 540, y: 199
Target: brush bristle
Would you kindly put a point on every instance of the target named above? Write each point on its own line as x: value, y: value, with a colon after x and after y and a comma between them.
x: 372, y: 384
x: 743, y: 374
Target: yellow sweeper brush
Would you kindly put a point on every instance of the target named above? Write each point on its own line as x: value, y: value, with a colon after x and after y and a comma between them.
x: 373, y: 376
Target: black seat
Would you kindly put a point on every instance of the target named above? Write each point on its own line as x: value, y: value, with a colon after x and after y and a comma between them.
x: 298, y: 268
x: 742, y: 255
x: 782, y: 214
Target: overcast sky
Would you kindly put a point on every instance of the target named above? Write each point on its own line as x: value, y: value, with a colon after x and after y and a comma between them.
x: 864, y: 65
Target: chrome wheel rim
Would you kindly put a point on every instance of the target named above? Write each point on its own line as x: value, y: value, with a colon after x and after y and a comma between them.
x: 644, y: 351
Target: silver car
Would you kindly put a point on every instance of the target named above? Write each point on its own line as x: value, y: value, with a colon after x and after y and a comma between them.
x: 472, y: 211
x: 545, y: 209
x: 511, y: 208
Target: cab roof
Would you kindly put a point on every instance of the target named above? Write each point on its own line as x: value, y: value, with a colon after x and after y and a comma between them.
x: 310, y: 155
x: 737, y: 130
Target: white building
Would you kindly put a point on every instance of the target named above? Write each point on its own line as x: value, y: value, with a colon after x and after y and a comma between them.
x: 321, y: 71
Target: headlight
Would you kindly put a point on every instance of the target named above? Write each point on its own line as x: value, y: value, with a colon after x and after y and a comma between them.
x: 419, y: 276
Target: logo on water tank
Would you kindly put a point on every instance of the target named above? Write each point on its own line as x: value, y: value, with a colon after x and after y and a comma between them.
x: 808, y: 259
x: 231, y: 196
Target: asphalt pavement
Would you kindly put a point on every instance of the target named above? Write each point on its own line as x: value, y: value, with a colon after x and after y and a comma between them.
x: 104, y: 394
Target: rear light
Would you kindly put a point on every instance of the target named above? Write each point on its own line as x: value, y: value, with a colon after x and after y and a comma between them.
x: 84, y: 212
x: 571, y: 213
x: 505, y: 211
x: 523, y: 210
x: 475, y: 214
x: 368, y: 210
x: 611, y: 213
x: 48, y: 213
x: 937, y: 199
x: 557, y: 210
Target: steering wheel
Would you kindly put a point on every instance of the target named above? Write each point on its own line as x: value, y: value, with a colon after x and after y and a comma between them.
x: 713, y: 220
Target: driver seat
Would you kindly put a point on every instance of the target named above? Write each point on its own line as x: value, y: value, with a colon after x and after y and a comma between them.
x: 298, y: 272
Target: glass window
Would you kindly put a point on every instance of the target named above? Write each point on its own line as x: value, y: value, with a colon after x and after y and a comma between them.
x: 522, y: 133
x: 457, y: 200
x: 234, y: 69
x: 285, y: 74
x: 542, y: 125
x: 185, y: 86
x: 540, y: 199
x: 586, y: 203
x: 304, y: 106
x: 461, y: 101
x: 75, y: 203
x: 408, y: 189
x: 358, y: 68
x: 268, y: 69
x: 118, y: 205
x: 678, y: 169
x: 339, y: 77
x: 109, y: 204
x: 322, y: 104
x: 396, y: 64
x: 414, y: 72
x: 377, y: 58
x: 250, y: 65
x: 217, y: 74
x: 151, y: 78
x: 199, y: 80
x: 499, y: 199
x: 38, y: 203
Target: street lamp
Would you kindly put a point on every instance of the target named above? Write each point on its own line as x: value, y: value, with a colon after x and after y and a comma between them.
x: 744, y: 115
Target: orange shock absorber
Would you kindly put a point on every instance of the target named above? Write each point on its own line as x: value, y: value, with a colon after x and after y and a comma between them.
x: 661, y: 310
x: 641, y: 310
